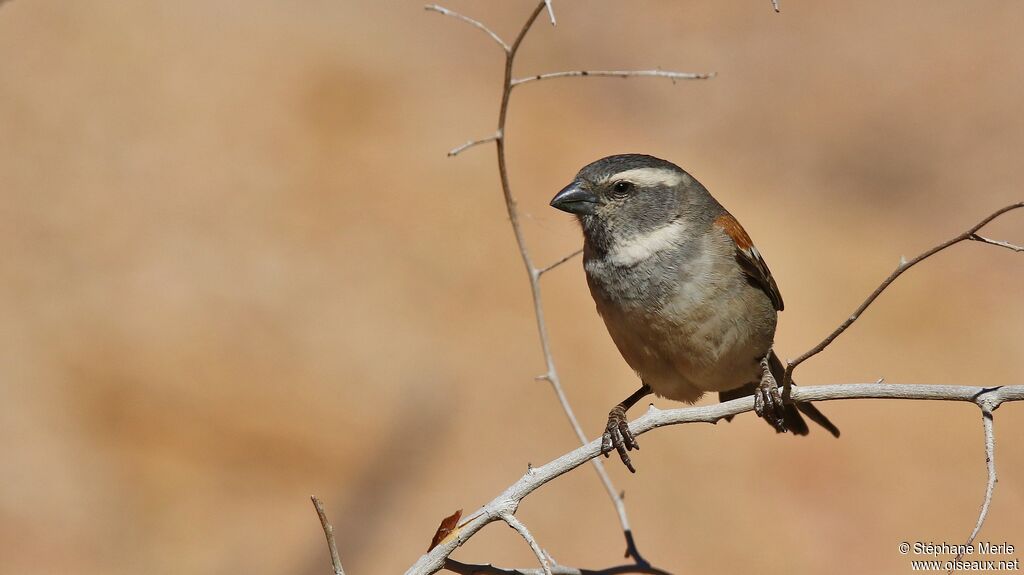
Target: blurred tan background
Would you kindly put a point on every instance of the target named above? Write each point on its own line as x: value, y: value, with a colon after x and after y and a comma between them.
x: 239, y: 269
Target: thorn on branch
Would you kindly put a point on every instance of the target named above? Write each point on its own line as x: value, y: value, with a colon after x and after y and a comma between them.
x: 775, y: 6
x: 551, y: 11
x: 970, y: 234
x: 674, y: 76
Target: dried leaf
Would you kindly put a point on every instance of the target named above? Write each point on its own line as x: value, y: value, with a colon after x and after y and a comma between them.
x: 446, y: 530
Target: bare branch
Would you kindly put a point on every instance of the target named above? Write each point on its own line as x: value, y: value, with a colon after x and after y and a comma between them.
x: 533, y: 273
x: 518, y: 525
x: 329, y: 534
x: 543, y: 271
x: 990, y: 465
x: 617, y: 74
x: 459, y: 149
x: 787, y: 379
x: 536, y: 477
x: 470, y: 21
x: 999, y: 243
x: 473, y: 569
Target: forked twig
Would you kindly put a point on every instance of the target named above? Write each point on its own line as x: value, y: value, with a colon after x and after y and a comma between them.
x: 510, y: 499
x: 520, y: 528
x: 904, y: 265
x: 475, y: 23
x: 999, y: 243
x: 462, y: 148
x: 987, y: 422
x: 551, y: 372
x: 499, y: 138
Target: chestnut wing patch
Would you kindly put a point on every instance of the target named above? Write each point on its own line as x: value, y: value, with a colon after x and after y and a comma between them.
x: 750, y: 259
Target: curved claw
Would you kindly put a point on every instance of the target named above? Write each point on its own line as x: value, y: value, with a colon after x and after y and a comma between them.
x: 768, y: 403
x: 618, y: 436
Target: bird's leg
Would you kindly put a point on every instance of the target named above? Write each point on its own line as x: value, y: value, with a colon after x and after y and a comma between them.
x: 617, y: 434
x: 767, y: 399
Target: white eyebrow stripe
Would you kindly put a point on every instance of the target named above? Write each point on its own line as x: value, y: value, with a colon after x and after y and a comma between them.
x: 649, y: 177
x: 638, y: 248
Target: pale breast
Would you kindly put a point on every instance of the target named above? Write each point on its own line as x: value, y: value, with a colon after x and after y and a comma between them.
x: 685, y: 320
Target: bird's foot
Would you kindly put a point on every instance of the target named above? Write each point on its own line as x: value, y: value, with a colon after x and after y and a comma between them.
x: 768, y: 402
x: 618, y: 436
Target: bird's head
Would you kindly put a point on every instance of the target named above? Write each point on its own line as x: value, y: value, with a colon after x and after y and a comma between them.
x: 620, y: 197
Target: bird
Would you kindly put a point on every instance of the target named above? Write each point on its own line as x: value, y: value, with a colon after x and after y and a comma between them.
x: 685, y: 295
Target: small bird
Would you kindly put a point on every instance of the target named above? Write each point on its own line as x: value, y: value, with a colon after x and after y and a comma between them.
x: 685, y: 295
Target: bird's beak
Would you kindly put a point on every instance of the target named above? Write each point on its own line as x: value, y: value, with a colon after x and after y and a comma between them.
x: 575, y: 200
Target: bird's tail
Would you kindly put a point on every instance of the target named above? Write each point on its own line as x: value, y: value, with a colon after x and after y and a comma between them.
x: 791, y: 412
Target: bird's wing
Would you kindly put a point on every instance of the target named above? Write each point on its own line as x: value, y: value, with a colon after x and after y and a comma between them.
x: 749, y: 258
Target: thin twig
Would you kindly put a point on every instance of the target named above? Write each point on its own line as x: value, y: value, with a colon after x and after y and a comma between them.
x: 543, y: 271
x: 617, y: 74
x: 508, y: 501
x: 480, y: 569
x: 999, y: 243
x: 787, y: 378
x: 990, y: 466
x: 470, y: 21
x: 550, y: 373
x: 518, y: 525
x: 329, y: 534
x: 535, y: 273
x: 459, y: 149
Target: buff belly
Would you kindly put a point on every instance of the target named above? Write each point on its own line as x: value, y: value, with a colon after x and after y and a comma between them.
x: 683, y: 351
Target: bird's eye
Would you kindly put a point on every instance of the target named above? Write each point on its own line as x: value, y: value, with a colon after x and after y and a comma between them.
x: 622, y: 188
